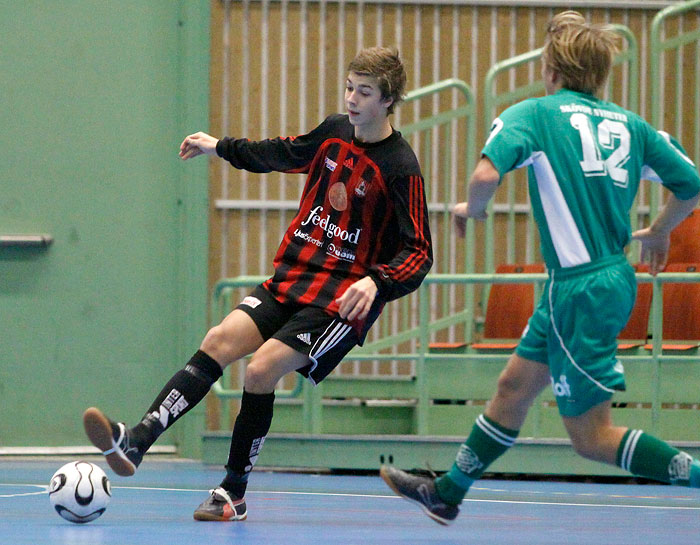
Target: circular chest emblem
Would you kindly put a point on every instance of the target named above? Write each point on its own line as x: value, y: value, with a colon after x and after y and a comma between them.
x: 338, y: 196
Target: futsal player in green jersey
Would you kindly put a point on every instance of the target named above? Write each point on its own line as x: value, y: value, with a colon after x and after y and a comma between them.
x: 585, y: 158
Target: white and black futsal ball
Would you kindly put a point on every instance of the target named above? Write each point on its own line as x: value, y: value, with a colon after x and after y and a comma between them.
x: 80, y: 491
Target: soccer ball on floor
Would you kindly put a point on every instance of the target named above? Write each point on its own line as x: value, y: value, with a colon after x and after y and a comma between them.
x: 80, y: 491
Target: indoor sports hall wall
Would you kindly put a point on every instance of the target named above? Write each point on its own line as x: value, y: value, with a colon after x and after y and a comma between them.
x: 96, y: 97
x: 278, y: 68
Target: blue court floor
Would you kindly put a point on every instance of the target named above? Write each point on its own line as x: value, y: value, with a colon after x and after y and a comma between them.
x: 155, y: 507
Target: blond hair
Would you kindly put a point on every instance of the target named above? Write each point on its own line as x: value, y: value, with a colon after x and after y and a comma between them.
x: 581, y: 53
x: 385, y: 66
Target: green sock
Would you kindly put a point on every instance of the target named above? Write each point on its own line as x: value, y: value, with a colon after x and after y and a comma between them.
x: 486, y: 442
x: 647, y: 456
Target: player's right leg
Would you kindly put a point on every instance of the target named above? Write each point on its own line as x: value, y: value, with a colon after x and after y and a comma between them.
x: 494, y: 432
x: 235, y: 337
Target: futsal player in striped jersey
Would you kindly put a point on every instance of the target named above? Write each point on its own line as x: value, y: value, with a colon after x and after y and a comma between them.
x: 360, y: 239
x: 585, y: 158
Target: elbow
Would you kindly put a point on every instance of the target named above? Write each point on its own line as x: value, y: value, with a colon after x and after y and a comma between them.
x: 425, y: 253
x: 428, y: 263
x: 483, y: 181
x: 424, y: 269
x: 688, y: 203
x: 485, y: 174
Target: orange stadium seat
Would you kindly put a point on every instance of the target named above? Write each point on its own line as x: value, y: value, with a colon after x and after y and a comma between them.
x: 508, y: 309
x: 681, y: 323
x: 685, y: 240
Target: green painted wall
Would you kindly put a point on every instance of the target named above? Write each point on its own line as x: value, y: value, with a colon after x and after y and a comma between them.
x: 95, y: 98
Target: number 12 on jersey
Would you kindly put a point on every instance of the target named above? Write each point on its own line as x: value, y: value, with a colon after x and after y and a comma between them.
x: 610, y: 135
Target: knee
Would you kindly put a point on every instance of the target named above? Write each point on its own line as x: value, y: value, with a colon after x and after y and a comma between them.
x: 215, y: 343
x: 521, y: 381
x: 259, y: 377
x: 510, y: 388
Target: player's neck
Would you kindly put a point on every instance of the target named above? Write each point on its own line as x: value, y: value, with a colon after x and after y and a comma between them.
x: 376, y: 132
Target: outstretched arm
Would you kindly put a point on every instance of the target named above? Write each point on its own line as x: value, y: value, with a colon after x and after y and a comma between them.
x: 199, y: 143
x: 655, y: 239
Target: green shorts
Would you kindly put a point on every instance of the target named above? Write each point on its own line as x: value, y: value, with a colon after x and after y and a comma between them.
x: 574, y: 331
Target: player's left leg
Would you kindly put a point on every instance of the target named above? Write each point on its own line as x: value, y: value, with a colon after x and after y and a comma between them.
x: 269, y: 364
x: 312, y: 343
x: 594, y: 436
x: 493, y: 433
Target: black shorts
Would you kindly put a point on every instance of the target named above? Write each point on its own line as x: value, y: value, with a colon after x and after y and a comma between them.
x: 323, y: 337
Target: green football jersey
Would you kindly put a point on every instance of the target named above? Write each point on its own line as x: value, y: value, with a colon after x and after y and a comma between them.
x: 585, y: 159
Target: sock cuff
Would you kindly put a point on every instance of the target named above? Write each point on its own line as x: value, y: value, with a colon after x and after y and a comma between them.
x: 625, y: 452
x: 495, y: 431
x: 204, y: 367
x: 257, y: 408
x: 256, y: 400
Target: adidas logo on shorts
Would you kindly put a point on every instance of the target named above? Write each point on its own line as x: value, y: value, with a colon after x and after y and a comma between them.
x: 305, y: 338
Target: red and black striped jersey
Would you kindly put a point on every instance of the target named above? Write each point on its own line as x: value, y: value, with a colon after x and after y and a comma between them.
x: 362, y: 212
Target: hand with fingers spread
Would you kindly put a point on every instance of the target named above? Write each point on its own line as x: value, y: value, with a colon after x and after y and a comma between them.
x: 357, y: 299
x: 655, y: 246
x: 199, y: 143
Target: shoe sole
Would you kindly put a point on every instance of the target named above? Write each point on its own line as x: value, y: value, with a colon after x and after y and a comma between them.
x: 201, y: 515
x: 99, y: 431
x: 383, y: 473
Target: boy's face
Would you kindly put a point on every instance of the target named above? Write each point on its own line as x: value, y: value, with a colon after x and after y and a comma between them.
x: 363, y: 100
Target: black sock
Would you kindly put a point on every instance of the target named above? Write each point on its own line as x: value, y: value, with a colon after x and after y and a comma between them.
x: 249, y: 432
x: 183, y: 391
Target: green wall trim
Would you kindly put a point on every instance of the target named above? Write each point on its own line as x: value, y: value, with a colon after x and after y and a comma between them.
x: 193, y: 98
x: 408, y: 452
x: 101, y: 93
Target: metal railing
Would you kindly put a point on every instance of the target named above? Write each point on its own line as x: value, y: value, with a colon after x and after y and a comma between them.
x: 312, y: 408
x: 655, y: 358
x: 660, y: 45
x: 442, y: 127
x: 438, y: 129
x: 462, y: 41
